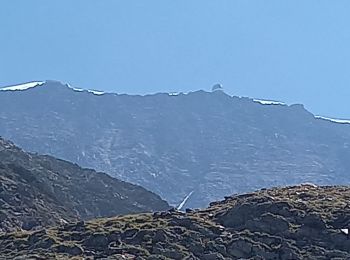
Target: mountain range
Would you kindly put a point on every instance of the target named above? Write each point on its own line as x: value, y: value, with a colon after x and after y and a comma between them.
x: 190, y: 148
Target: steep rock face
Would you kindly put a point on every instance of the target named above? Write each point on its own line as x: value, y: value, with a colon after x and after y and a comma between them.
x: 209, y: 143
x: 300, y: 222
x: 41, y: 190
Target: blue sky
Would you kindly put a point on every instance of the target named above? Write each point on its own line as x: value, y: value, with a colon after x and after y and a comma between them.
x: 296, y: 51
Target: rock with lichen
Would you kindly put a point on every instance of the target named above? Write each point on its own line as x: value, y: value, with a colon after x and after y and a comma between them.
x: 296, y: 222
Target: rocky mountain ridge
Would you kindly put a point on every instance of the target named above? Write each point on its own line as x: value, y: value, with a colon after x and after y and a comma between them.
x: 37, y: 191
x: 201, y: 146
x: 298, y: 222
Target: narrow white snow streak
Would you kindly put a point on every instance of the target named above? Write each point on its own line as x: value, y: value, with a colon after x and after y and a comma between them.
x: 96, y: 92
x: 268, y: 102
x: 173, y: 93
x: 24, y: 86
x: 184, y: 201
x: 78, y: 89
x: 339, y: 121
x: 33, y: 84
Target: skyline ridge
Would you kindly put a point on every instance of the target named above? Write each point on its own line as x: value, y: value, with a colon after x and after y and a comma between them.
x: 96, y: 91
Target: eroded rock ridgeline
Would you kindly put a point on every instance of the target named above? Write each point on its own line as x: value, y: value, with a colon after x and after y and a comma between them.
x: 38, y: 191
x: 299, y: 222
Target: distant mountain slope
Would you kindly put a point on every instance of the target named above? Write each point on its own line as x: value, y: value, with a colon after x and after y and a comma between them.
x: 41, y: 190
x: 301, y: 222
x: 205, y: 144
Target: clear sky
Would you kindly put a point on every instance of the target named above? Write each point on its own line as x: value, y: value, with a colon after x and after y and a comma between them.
x: 296, y: 51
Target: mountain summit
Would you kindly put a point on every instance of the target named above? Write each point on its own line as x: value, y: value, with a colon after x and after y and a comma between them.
x: 189, y: 148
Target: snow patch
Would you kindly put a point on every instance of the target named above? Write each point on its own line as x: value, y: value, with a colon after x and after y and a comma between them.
x: 269, y: 102
x: 96, y: 92
x: 75, y: 89
x: 334, y: 120
x: 23, y: 86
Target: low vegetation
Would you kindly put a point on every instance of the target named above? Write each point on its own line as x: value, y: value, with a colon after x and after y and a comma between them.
x: 298, y: 222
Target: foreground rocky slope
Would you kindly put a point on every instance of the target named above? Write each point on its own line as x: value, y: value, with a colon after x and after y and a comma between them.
x: 41, y: 190
x: 210, y: 144
x: 300, y: 222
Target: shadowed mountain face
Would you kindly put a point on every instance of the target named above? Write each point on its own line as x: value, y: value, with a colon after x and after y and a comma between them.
x: 210, y: 144
x: 300, y: 222
x: 41, y: 190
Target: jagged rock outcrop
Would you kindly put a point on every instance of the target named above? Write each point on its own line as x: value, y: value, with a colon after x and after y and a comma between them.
x: 206, y: 142
x: 299, y: 222
x: 38, y: 191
